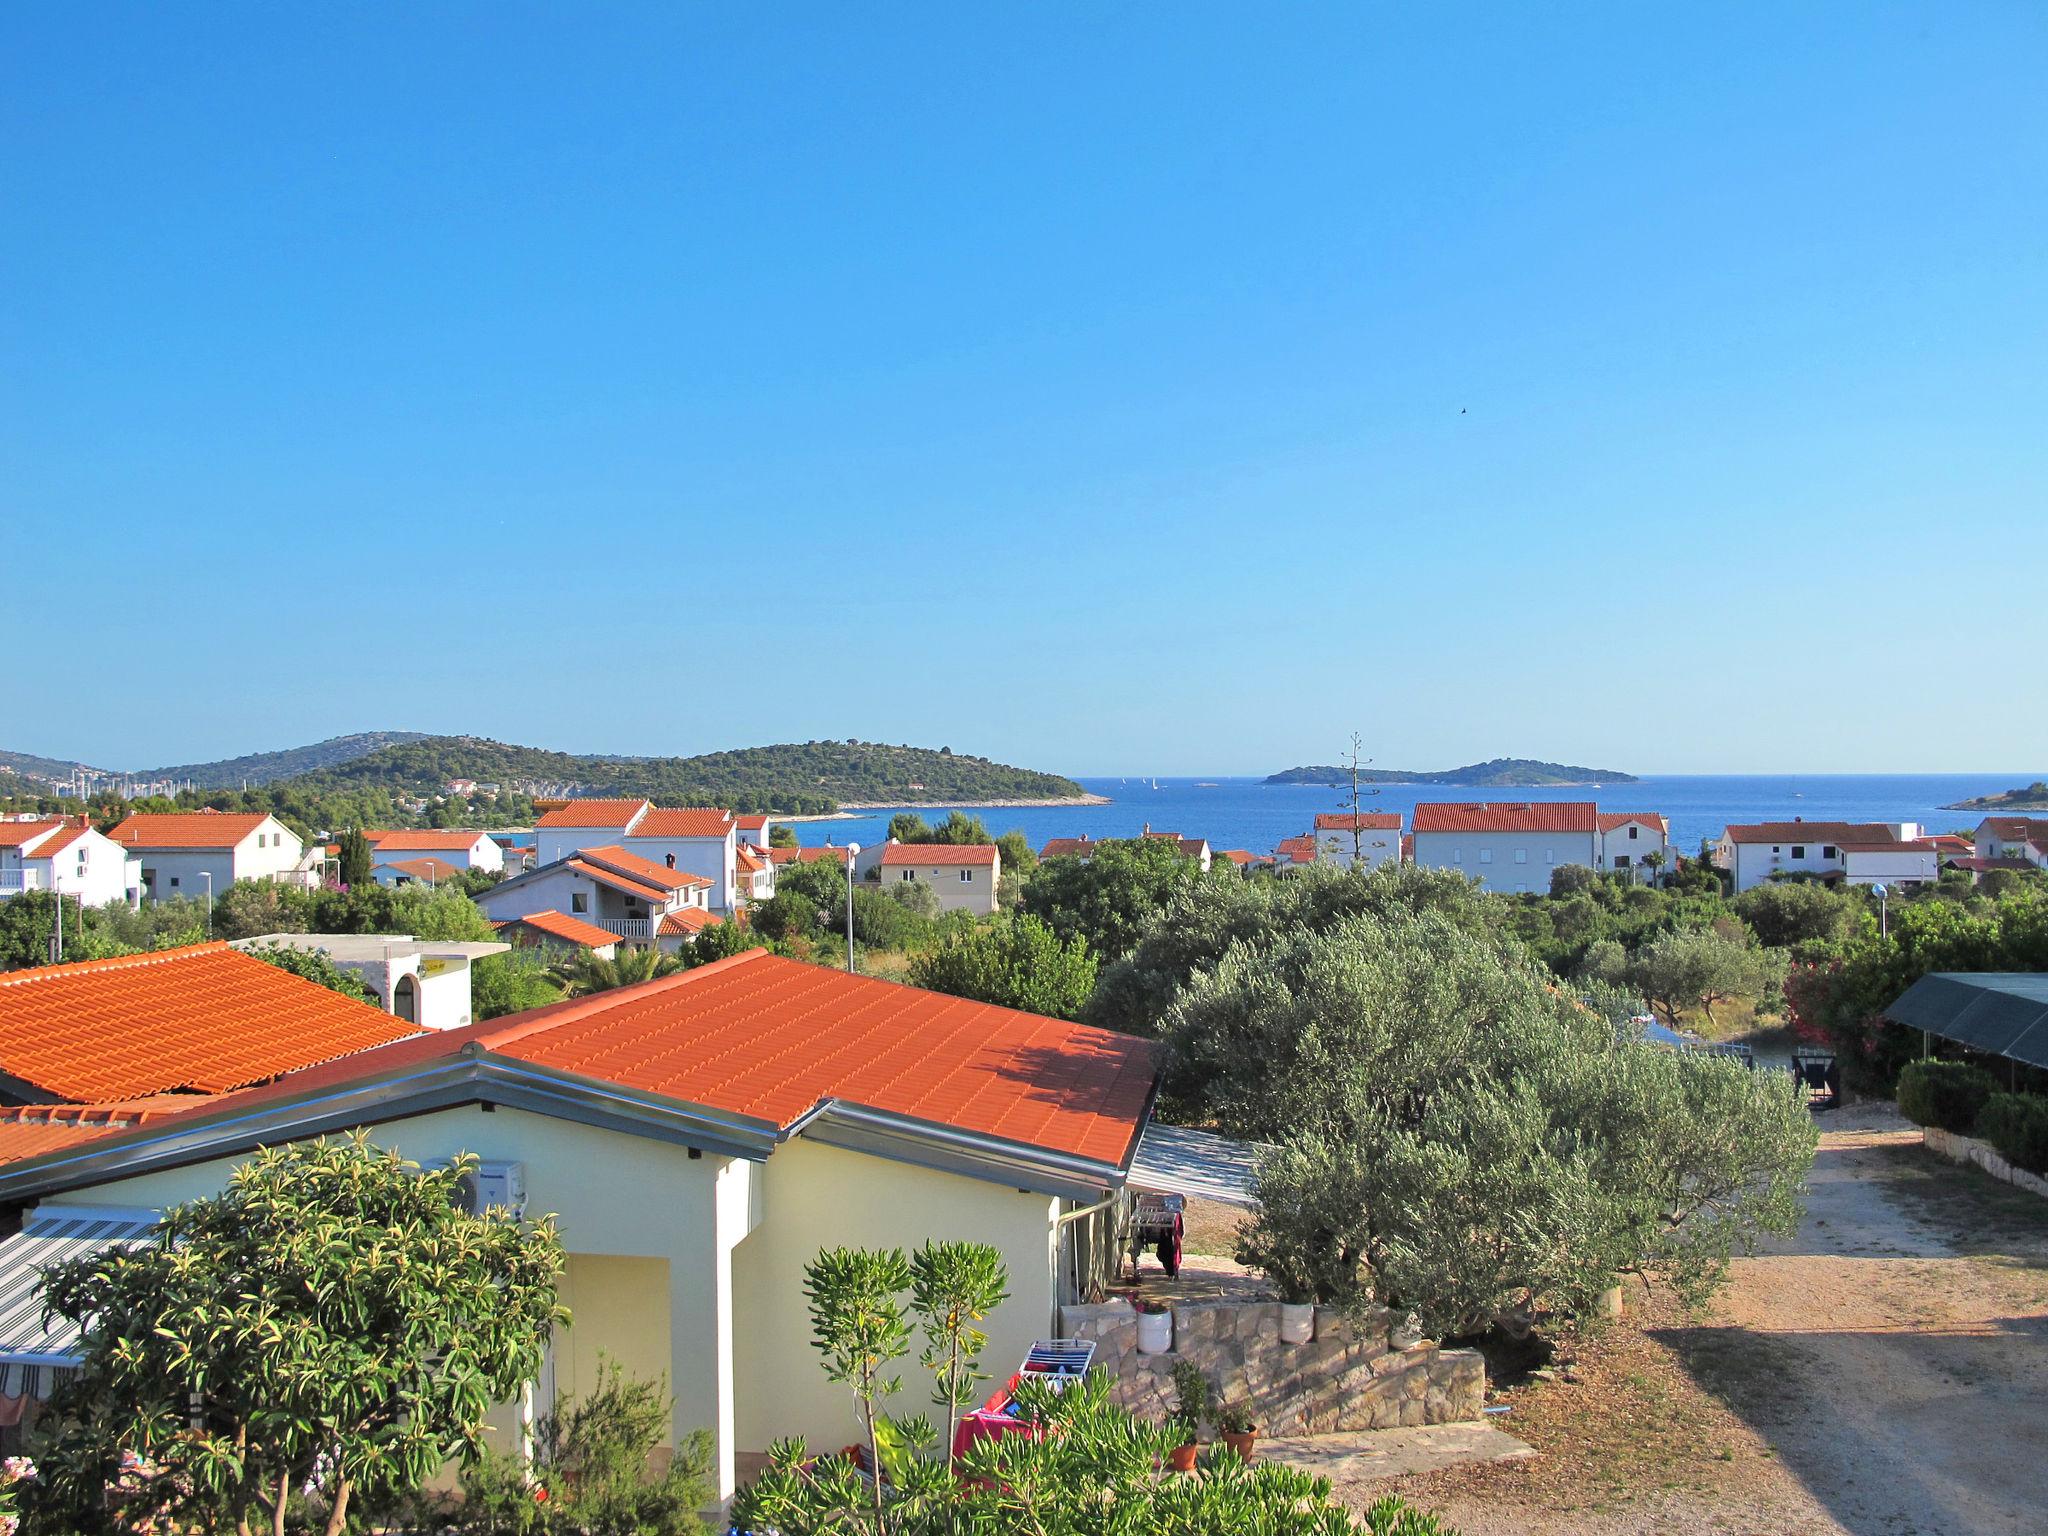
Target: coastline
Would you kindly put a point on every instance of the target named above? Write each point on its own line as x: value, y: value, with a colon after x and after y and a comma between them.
x: 849, y: 806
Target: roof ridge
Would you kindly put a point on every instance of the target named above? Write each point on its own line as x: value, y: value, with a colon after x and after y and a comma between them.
x: 108, y: 962
x: 570, y: 1010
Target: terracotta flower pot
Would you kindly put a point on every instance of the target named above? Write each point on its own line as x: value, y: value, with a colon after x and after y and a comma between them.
x: 1241, y: 1441
x: 1182, y: 1457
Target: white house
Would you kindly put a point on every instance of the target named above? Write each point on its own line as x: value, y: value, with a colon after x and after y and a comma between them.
x: 463, y: 849
x: 2013, y: 837
x: 694, y: 839
x: 1507, y: 845
x: 418, y: 981
x: 420, y: 869
x: 67, y: 854
x: 1629, y: 838
x: 179, y: 851
x: 615, y: 890
x: 1369, y: 837
x: 1883, y: 851
x: 699, y: 1138
x: 753, y: 873
x: 964, y: 876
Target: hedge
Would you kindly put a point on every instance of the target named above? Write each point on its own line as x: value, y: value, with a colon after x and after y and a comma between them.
x: 2016, y: 1124
x: 1948, y: 1094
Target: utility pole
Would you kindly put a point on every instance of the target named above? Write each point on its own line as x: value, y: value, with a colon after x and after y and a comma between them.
x: 1357, y: 816
x: 852, y: 853
x: 57, y: 933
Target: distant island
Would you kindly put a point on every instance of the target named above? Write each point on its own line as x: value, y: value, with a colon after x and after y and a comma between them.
x: 352, y: 778
x: 1497, y: 773
x: 2031, y: 797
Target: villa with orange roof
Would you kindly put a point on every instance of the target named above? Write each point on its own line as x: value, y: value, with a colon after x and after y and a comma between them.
x: 1366, y: 838
x: 697, y: 840
x: 1514, y: 846
x: 1857, y: 852
x: 188, y: 853
x: 964, y: 876
x: 604, y: 887
x: 464, y: 849
x: 698, y: 1138
x: 67, y: 854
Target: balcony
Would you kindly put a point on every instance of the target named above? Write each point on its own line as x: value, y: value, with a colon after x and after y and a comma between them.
x: 627, y: 927
x: 14, y: 881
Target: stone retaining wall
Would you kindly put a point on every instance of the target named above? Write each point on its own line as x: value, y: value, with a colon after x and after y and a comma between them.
x: 1348, y: 1377
x: 1968, y: 1149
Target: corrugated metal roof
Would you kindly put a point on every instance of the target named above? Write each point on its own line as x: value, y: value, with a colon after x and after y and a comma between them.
x: 53, y: 1235
x: 1173, y: 1160
x: 2001, y: 1013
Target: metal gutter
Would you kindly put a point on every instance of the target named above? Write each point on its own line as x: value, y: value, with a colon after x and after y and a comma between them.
x: 948, y: 1149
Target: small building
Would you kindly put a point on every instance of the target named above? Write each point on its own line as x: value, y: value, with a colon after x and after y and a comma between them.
x: 695, y: 839
x: 964, y: 876
x: 1195, y: 848
x: 419, y: 981
x: 1509, y: 846
x: 424, y: 870
x: 1372, y: 838
x: 753, y: 873
x: 1887, y: 852
x: 1292, y: 853
x: 683, y: 925
x: 558, y: 930
x: 1628, y: 839
x: 463, y: 849
x: 68, y: 855
x: 186, y: 853
x: 620, y: 892
x: 2013, y: 837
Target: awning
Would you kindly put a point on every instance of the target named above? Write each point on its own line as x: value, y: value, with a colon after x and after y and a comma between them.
x: 1173, y: 1160
x: 31, y: 1348
x: 2001, y: 1013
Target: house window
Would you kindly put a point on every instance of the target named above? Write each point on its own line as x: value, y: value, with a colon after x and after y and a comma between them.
x: 579, y: 901
x: 149, y: 879
x: 1521, y: 855
x: 1457, y: 855
x: 1486, y: 855
x: 1634, y: 832
x: 1550, y: 855
x: 174, y: 882
x: 1828, y: 853
x: 1621, y: 861
x: 671, y: 861
x: 966, y: 877
x: 1799, y: 850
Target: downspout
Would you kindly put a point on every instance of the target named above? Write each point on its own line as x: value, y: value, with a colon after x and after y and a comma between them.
x: 1059, y: 1222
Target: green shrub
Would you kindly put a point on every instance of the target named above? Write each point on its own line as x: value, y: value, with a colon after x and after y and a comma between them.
x: 1947, y: 1094
x: 2016, y: 1124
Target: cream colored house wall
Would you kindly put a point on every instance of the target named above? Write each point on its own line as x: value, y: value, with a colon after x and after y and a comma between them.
x: 823, y: 1197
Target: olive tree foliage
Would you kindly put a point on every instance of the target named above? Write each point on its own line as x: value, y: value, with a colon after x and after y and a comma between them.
x: 1203, y: 922
x: 1456, y: 1136
x: 1015, y: 962
x: 1783, y: 913
x: 331, y: 1320
x: 1699, y: 967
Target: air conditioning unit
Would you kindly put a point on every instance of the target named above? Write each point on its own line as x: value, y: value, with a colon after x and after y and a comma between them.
x: 495, y: 1186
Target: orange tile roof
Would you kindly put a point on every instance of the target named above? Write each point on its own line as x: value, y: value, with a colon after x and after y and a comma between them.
x: 429, y: 840
x: 204, y: 1017
x: 1611, y: 821
x: 745, y: 862
x: 16, y: 834
x: 1367, y: 821
x: 752, y: 823
x: 646, y: 871
x: 562, y: 926
x: 1069, y: 847
x: 29, y: 1130
x: 187, y: 829
x: 1832, y: 832
x: 619, y: 882
x: 897, y: 855
x: 688, y: 921
x: 65, y: 837
x: 1506, y: 816
x: 1239, y: 856
x: 434, y: 870
x: 2018, y: 829
x: 781, y: 856
x: 1298, y: 850
x: 683, y: 821
x: 594, y: 813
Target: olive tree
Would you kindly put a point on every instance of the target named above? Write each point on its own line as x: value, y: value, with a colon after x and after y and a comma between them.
x: 332, y: 1319
x: 1699, y: 967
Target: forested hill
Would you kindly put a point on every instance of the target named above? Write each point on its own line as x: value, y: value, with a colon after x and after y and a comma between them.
x: 269, y: 767
x: 793, y: 777
x: 1496, y: 773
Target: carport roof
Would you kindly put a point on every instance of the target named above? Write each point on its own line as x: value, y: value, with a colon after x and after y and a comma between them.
x: 2001, y: 1013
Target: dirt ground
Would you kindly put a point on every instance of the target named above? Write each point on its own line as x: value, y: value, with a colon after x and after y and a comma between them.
x: 1882, y: 1373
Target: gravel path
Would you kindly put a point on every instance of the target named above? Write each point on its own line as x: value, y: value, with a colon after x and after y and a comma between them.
x: 1883, y: 1373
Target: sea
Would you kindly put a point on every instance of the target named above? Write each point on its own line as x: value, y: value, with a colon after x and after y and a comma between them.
x: 1251, y: 814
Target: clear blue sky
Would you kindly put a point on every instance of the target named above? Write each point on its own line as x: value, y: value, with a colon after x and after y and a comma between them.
x: 1105, y: 388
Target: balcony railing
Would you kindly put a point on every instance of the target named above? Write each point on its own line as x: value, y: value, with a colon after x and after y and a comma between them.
x: 14, y: 881
x: 627, y: 927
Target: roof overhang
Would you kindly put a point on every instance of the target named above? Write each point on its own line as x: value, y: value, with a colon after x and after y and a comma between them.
x: 2001, y: 1013
x: 948, y: 1149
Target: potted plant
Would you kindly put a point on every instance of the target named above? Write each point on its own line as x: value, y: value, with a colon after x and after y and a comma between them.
x: 1155, y: 1328
x: 1191, y: 1387
x: 1297, y: 1316
x: 1239, y: 1430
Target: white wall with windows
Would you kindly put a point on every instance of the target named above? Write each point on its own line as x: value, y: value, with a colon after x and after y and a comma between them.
x: 1507, y: 861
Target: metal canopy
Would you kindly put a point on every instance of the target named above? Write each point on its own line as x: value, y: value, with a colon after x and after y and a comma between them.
x: 2001, y: 1013
x: 1173, y: 1160
x: 52, y: 1235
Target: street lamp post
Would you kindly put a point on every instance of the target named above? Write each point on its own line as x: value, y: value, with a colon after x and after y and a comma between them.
x: 207, y: 876
x: 1884, y: 911
x: 852, y: 853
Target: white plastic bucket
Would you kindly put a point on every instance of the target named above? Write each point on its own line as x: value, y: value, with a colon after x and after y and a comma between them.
x: 1155, y: 1333
x: 1297, y: 1322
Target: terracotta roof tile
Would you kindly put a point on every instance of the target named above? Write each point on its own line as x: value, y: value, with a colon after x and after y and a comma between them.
x: 1812, y: 832
x: 187, y: 829
x: 594, y: 813
x: 684, y: 821
x: 1506, y: 816
x: 781, y: 856
x: 688, y: 921
x: 646, y: 871
x: 752, y: 823
x: 561, y: 925
x: 429, y: 840
x: 897, y: 855
x: 1367, y: 821
x: 1083, y: 846
x: 1298, y: 850
x: 205, y: 1017
x: 1611, y: 821
x: 18, y: 834
x: 432, y: 870
x: 746, y: 862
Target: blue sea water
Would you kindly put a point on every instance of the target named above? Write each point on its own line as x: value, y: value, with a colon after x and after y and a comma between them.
x: 1248, y: 813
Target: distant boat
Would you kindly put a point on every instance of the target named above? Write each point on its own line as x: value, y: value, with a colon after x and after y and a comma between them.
x: 1207, y: 784
x: 1155, y: 783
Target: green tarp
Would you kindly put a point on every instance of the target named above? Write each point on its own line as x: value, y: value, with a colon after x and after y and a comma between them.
x: 2001, y: 1013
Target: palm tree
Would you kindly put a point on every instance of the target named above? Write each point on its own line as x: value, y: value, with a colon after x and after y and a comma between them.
x: 628, y: 966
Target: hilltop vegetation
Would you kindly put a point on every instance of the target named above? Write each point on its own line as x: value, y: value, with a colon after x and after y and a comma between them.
x: 254, y: 768
x: 1495, y: 773
x: 2028, y: 797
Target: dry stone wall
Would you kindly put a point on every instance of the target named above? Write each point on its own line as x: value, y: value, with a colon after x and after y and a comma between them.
x: 1349, y: 1376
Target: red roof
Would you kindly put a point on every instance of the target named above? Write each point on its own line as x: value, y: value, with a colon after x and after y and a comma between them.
x: 204, y: 1017
x: 1506, y: 816
x: 688, y: 921
x: 2019, y: 829
x: 752, y: 823
x: 187, y: 829
x: 645, y: 871
x: 561, y: 925
x: 683, y: 821
x: 1829, y: 832
x: 781, y: 856
x: 897, y: 855
x: 745, y: 861
x: 1366, y: 821
x: 1239, y: 856
x: 1978, y: 865
x: 1297, y: 850
x: 16, y: 834
x: 430, y: 840
x: 434, y: 871
x: 1612, y: 821
x: 1068, y: 847
x: 593, y: 813
x: 1919, y: 845
x: 29, y: 1130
